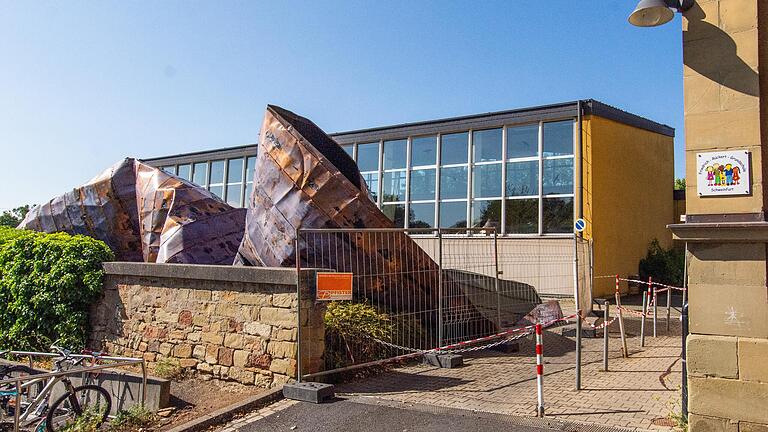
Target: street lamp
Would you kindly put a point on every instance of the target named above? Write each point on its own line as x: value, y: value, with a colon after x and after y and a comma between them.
x: 652, y: 13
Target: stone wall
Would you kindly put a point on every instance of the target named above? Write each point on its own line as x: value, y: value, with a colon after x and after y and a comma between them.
x: 234, y: 323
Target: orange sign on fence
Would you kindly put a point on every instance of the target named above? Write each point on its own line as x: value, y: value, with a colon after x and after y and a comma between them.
x: 334, y: 286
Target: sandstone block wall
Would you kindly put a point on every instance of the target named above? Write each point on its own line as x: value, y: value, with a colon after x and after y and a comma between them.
x: 234, y: 323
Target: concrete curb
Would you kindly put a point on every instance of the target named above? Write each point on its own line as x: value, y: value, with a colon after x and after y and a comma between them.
x: 227, y: 413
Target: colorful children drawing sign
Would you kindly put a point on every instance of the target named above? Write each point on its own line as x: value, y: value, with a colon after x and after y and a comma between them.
x: 723, y: 173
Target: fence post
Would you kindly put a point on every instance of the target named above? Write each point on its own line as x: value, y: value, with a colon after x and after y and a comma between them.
x: 496, y: 276
x: 642, y: 319
x: 606, y: 316
x: 539, y: 372
x: 684, y: 403
x: 298, y: 306
x: 685, y: 276
x: 577, y: 299
x: 439, y: 287
x: 624, y: 350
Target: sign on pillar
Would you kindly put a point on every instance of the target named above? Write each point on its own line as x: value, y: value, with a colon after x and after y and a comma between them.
x: 723, y: 173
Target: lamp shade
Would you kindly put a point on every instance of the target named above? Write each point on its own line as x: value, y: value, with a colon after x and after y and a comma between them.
x: 651, y: 13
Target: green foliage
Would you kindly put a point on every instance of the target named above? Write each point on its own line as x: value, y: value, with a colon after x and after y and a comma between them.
x: 87, y: 422
x: 12, y: 218
x: 354, y: 331
x: 134, y: 418
x: 357, y: 320
x: 169, y: 368
x: 47, y: 283
x: 664, y: 265
x: 680, y: 184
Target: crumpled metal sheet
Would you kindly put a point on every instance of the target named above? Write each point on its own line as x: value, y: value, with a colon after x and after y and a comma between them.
x: 145, y: 214
x: 303, y: 178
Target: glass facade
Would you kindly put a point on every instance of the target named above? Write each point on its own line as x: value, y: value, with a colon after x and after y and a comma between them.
x: 517, y: 178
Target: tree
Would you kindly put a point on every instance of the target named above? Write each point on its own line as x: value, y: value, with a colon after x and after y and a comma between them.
x: 12, y: 218
x: 680, y: 184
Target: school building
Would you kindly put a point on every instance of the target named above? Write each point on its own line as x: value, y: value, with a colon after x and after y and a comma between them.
x: 528, y: 172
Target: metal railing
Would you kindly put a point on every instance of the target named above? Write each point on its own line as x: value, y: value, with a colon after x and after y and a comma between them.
x: 413, y: 290
x: 118, y: 362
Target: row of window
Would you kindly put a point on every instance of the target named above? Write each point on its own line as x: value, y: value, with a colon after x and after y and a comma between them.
x: 229, y: 179
x: 518, y: 178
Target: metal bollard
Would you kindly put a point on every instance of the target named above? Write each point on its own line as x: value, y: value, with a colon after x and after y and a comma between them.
x: 578, y: 351
x: 539, y: 372
x: 606, y: 316
x: 669, y: 306
x: 642, y: 319
x: 655, y: 310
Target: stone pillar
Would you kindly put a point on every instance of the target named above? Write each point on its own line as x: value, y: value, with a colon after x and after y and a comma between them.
x: 726, y: 95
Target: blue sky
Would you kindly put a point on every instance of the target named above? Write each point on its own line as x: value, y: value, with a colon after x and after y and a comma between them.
x: 83, y: 85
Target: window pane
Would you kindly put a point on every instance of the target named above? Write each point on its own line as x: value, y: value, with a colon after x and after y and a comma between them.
x: 349, y: 148
x: 395, y: 154
x: 424, y: 151
x: 486, y: 181
x: 394, y: 186
x: 523, y: 141
x: 486, y: 214
x: 185, y: 172
x: 233, y: 195
x: 217, y: 172
x: 248, y: 189
x: 217, y: 190
x: 395, y: 213
x: 171, y: 169
x: 558, y: 215
x: 558, y: 138
x: 558, y: 176
x: 249, y: 168
x: 200, y: 171
x: 522, y: 178
x: 372, y: 181
x: 421, y: 215
x: 453, y: 182
x: 453, y: 214
x: 235, y: 171
x: 368, y: 157
x: 423, y: 184
x: 487, y: 145
x: 453, y: 148
x: 522, y: 216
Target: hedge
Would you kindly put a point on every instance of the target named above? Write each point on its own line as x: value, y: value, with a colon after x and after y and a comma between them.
x: 47, y: 284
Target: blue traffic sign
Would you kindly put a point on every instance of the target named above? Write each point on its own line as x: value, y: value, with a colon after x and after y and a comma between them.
x: 579, y: 225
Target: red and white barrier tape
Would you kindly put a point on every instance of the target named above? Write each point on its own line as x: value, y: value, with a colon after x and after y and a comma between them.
x: 460, y: 346
x: 672, y: 287
x: 602, y: 325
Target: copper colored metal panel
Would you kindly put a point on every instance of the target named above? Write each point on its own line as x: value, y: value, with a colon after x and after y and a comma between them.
x: 145, y: 214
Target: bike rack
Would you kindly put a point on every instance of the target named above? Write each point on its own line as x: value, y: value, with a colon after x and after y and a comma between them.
x: 119, y: 361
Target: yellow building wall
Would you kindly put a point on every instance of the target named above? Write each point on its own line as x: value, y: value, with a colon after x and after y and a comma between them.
x: 628, y: 178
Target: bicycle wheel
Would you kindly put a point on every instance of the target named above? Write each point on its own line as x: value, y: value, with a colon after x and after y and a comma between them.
x: 87, y: 406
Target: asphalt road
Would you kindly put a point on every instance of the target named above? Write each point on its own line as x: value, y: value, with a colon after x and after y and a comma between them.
x: 351, y: 416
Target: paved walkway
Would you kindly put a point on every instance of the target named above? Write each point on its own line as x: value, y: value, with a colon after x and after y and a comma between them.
x: 639, y: 392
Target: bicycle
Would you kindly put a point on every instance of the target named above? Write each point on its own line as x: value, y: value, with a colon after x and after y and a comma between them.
x: 89, y: 403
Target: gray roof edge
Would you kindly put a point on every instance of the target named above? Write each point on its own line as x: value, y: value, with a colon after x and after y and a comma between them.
x: 600, y: 109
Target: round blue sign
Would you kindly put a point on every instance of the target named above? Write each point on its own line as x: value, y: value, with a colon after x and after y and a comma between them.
x: 580, y: 225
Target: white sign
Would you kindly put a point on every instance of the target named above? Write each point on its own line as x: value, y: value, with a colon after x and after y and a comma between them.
x: 722, y: 173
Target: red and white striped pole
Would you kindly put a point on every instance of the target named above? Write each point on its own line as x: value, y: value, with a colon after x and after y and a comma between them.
x: 624, y: 350
x: 539, y: 372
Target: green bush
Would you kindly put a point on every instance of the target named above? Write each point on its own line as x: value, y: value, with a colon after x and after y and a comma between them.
x: 664, y: 265
x: 47, y: 283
